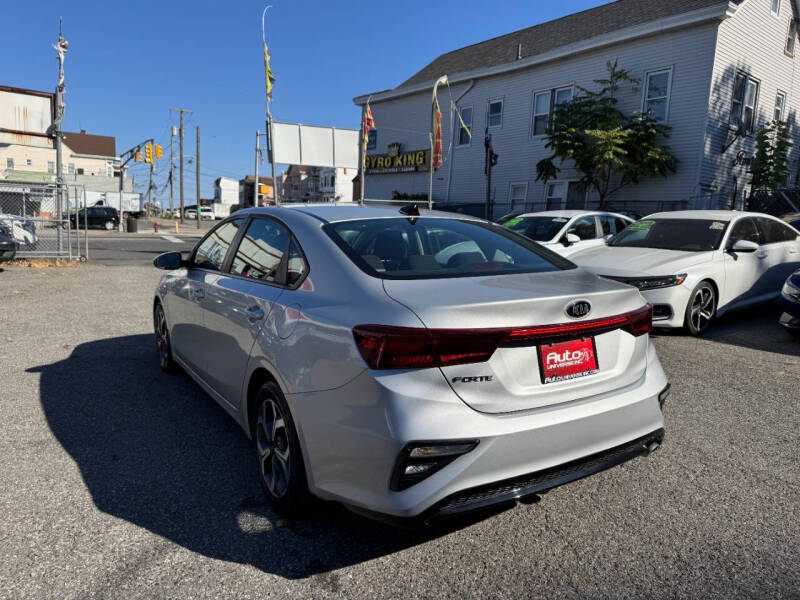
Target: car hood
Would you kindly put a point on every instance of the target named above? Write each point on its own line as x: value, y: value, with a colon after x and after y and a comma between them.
x: 625, y: 261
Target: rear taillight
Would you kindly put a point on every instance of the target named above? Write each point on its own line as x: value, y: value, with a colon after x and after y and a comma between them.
x: 640, y: 321
x: 385, y: 347
x: 388, y: 347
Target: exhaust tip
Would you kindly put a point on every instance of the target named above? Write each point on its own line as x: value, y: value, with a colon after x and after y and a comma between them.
x: 651, y: 447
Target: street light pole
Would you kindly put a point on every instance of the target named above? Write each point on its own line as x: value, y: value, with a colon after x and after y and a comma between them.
x: 255, y: 181
x: 61, y: 49
x: 172, y: 172
x: 269, y: 130
x: 197, y: 176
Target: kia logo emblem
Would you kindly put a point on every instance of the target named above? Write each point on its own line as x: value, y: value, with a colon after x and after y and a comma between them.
x: 578, y: 308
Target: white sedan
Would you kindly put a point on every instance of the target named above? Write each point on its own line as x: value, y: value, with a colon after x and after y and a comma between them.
x: 697, y: 264
x: 569, y: 231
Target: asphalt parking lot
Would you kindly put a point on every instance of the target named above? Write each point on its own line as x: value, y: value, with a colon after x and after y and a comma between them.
x: 117, y: 481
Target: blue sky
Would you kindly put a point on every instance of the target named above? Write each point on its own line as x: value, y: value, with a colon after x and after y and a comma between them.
x: 128, y: 63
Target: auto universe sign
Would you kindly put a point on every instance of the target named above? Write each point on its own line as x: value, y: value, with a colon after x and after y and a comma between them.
x: 397, y: 162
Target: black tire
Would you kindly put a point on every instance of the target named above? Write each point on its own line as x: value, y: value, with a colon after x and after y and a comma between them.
x: 280, y: 460
x: 701, y: 308
x: 163, y: 343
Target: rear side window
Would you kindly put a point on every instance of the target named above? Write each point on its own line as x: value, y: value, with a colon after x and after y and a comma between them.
x: 611, y: 225
x: 774, y: 231
x: 584, y: 228
x: 261, y: 250
x: 296, y: 266
x: 744, y: 229
x: 433, y: 248
x: 212, y: 250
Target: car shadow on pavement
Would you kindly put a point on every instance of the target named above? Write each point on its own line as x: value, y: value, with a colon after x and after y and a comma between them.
x: 756, y: 328
x: 155, y: 450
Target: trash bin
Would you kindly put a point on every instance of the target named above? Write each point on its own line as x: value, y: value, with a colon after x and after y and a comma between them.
x: 133, y: 225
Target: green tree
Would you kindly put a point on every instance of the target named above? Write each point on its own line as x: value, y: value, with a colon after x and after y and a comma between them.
x: 609, y: 148
x: 771, y: 160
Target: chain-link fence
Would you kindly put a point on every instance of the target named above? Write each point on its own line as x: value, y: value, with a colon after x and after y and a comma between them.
x: 44, y: 219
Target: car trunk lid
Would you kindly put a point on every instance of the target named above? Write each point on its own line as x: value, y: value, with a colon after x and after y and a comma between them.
x: 517, y: 377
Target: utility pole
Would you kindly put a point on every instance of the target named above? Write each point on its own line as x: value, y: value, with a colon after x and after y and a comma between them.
x: 150, y: 190
x: 61, y: 49
x: 180, y: 144
x: 255, y: 181
x: 172, y: 171
x: 197, y: 176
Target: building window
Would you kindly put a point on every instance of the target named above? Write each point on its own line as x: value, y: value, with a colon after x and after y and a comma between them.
x: 494, y: 117
x: 51, y: 166
x: 28, y: 162
x: 791, y: 35
x: 743, y: 103
x: 71, y: 168
x: 544, y: 104
x: 657, y: 85
x: 780, y: 104
x: 565, y: 194
x: 9, y: 163
x: 541, y: 112
x: 518, y: 194
x: 775, y: 8
x: 372, y: 139
x: 80, y: 171
x: 555, y: 195
x: 464, y: 138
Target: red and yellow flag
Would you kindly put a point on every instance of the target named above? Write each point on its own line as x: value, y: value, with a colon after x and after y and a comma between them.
x: 369, y: 125
x: 437, y: 135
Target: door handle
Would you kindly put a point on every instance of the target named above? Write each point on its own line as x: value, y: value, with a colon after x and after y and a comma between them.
x: 199, y: 293
x: 254, y: 313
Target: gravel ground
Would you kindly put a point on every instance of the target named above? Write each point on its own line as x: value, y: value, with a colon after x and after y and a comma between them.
x: 117, y: 481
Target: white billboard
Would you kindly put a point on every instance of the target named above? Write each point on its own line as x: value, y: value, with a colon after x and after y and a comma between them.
x: 27, y: 113
x: 314, y: 146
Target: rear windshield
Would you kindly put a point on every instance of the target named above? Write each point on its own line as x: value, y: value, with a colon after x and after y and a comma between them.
x: 691, y: 235
x: 431, y: 248
x: 541, y: 229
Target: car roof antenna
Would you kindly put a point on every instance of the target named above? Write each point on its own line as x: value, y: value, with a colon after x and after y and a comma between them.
x: 410, y: 210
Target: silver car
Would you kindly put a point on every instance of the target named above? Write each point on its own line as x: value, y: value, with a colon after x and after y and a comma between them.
x: 407, y: 364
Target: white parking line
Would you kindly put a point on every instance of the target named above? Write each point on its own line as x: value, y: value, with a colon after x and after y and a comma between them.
x: 174, y: 240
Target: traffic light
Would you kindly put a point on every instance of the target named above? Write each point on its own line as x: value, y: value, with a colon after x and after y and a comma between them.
x: 148, y: 153
x: 159, y: 151
x: 138, y: 156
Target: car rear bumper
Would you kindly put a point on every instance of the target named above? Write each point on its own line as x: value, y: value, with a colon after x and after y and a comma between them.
x: 527, y: 486
x: 352, y: 437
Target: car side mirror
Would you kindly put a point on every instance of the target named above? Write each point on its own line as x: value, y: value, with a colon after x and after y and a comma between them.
x: 744, y: 246
x: 570, y: 238
x: 169, y: 261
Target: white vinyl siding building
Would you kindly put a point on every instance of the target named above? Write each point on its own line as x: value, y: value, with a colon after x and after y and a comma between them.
x: 715, y: 74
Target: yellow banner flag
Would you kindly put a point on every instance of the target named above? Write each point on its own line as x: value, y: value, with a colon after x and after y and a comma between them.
x: 268, y: 71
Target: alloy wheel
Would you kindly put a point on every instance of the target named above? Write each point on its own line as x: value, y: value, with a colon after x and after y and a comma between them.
x: 702, y: 308
x: 272, y: 441
x: 162, y: 338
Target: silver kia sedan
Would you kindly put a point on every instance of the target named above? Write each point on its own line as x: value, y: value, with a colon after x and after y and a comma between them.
x: 410, y: 364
